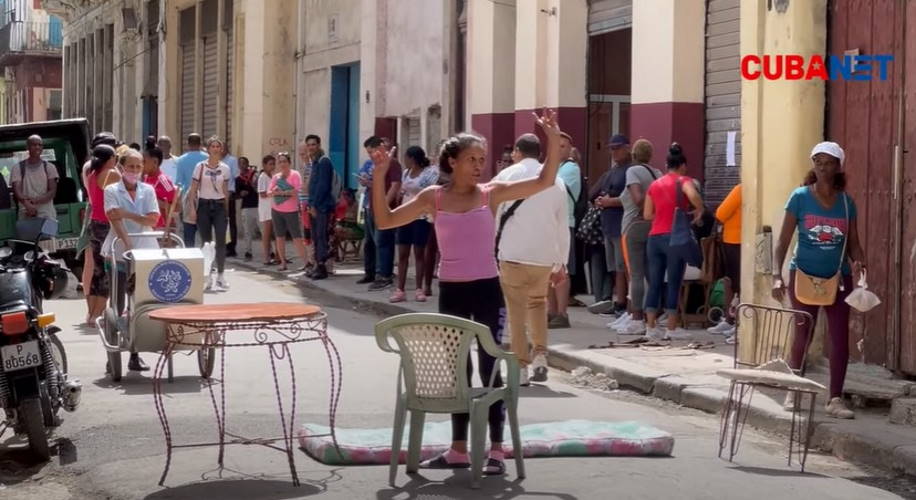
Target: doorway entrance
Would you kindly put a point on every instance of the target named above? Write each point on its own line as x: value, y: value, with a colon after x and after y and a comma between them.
x: 344, y: 143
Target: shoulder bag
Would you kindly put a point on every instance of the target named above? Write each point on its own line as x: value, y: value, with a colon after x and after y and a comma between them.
x: 683, y: 242
x: 814, y: 291
x: 189, y: 203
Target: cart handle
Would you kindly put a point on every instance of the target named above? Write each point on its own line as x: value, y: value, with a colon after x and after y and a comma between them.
x: 108, y: 347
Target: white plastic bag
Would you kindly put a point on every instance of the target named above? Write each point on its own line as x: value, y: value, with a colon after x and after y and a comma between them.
x: 861, y: 299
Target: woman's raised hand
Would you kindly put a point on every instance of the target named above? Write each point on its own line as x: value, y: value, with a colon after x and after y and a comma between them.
x: 381, y: 157
x: 548, y: 121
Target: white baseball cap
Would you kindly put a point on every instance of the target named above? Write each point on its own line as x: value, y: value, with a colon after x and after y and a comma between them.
x: 831, y: 148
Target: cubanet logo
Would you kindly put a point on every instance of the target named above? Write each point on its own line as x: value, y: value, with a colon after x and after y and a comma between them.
x: 850, y: 67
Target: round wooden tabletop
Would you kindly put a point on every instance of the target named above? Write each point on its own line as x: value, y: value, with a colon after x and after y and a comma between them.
x: 217, y: 313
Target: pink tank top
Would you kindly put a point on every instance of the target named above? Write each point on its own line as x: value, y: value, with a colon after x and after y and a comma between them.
x: 96, y: 198
x: 466, y: 242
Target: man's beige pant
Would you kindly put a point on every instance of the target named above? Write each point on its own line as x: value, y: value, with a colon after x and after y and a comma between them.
x: 525, y: 290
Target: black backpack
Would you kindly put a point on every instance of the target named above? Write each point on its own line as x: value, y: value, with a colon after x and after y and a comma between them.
x: 581, y: 204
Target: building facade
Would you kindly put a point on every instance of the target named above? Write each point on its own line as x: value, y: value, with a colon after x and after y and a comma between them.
x: 378, y: 67
x: 173, y: 67
x: 30, y: 60
x: 663, y: 70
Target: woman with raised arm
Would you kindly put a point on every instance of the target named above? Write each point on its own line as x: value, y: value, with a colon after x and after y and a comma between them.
x: 464, y: 220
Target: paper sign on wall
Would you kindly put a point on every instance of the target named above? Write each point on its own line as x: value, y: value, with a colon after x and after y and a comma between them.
x: 730, y: 149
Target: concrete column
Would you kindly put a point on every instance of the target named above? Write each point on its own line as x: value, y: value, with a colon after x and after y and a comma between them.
x: 368, y: 96
x: 780, y: 122
x: 551, y: 64
x: 198, y: 68
x: 491, y: 59
x: 222, y: 86
x: 668, y: 76
x: 170, y: 79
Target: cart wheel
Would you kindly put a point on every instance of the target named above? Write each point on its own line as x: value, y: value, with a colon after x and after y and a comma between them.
x: 111, y: 335
x: 206, y: 358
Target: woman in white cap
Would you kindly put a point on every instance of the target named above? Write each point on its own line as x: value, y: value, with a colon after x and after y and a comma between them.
x: 824, y: 216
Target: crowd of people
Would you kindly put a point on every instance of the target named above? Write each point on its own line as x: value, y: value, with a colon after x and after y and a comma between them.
x: 504, y: 251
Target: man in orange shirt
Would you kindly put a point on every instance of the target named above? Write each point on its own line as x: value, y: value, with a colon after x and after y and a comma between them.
x: 729, y: 214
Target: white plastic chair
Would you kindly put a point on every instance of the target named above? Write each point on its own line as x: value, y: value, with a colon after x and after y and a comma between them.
x: 434, y: 351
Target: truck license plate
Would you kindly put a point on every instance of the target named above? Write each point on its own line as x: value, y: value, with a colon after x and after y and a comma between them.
x: 20, y: 356
x: 53, y: 245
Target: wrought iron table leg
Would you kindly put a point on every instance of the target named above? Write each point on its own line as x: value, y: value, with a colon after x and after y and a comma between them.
x: 288, y: 431
x: 336, y: 387
x: 219, y: 411
x: 160, y: 407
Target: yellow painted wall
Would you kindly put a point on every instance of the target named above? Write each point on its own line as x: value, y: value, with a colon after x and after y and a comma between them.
x: 567, y: 54
x: 531, y: 47
x: 780, y: 122
x: 275, y: 67
x: 668, y: 51
x: 491, y: 57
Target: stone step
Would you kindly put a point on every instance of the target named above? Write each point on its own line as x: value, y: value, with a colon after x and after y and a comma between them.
x: 903, y: 411
x: 868, y: 385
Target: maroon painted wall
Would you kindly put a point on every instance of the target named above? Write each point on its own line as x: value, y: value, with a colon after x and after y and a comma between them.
x: 665, y: 122
x: 496, y: 128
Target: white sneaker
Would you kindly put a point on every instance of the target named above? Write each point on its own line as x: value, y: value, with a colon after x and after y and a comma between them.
x: 633, y: 327
x: 663, y: 318
x: 679, y: 334
x: 731, y: 340
x: 523, y: 377
x: 837, y: 408
x: 539, y: 365
x: 723, y: 328
x: 222, y: 283
x: 622, y: 320
x: 658, y: 333
x: 209, y: 286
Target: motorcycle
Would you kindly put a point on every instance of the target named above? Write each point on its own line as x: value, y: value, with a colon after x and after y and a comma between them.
x: 33, y: 363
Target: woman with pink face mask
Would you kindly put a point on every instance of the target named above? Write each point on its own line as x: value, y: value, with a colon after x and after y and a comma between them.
x: 131, y: 208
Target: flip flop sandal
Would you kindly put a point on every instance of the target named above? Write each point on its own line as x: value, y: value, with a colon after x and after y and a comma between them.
x: 494, y: 467
x: 440, y: 462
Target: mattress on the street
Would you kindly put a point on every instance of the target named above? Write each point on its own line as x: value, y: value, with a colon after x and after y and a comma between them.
x: 569, y: 438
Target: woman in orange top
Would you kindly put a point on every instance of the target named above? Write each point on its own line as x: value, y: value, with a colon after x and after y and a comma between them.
x: 729, y: 214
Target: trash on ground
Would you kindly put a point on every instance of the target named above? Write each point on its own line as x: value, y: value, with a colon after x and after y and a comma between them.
x: 584, y: 377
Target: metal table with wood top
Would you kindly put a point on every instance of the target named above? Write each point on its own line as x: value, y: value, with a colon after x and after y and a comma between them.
x: 274, y: 326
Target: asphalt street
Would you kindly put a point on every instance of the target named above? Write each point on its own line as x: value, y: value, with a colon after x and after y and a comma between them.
x: 113, y: 446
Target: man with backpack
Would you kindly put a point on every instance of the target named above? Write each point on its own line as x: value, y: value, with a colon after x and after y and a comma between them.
x: 576, y: 204
x: 34, y: 183
x: 322, y: 202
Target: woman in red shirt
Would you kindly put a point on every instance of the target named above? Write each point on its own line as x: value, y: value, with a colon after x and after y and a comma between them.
x: 661, y: 202
x: 165, y: 189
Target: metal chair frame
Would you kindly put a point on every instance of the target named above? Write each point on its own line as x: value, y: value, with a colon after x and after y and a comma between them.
x: 775, y: 330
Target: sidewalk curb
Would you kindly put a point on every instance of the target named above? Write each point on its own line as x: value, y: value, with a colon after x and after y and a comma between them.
x: 829, y: 436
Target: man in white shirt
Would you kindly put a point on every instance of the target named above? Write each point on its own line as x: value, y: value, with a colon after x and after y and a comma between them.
x: 533, y: 246
x: 169, y: 167
x: 34, y: 182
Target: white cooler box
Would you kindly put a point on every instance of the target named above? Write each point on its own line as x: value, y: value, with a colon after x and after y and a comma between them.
x: 164, y: 277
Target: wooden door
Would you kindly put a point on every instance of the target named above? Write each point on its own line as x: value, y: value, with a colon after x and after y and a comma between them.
x: 905, y: 298
x: 864, y: 117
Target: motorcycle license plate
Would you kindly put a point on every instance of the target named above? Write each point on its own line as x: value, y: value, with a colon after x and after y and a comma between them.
x: 20, y: 356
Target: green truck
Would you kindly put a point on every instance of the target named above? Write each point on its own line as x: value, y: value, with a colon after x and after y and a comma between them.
x: 66, y: 144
